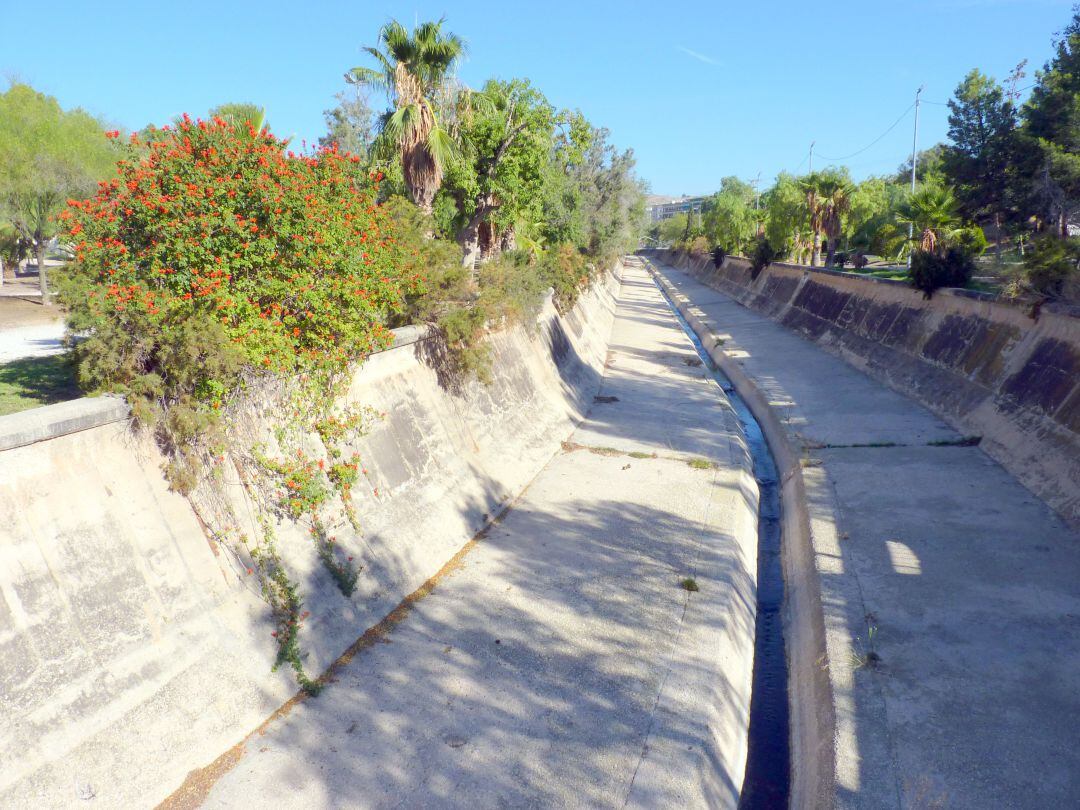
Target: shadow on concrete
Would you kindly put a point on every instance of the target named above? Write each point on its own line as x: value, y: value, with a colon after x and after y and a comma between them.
x: 524, y: 680
x: 530, y: 676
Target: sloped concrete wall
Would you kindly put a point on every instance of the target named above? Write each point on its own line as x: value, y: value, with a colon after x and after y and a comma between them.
x: 985, y: 365
x: 134, y: 647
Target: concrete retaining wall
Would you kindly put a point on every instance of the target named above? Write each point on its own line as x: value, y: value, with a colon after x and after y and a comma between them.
x: 984, y: 365
x: 134, y: 647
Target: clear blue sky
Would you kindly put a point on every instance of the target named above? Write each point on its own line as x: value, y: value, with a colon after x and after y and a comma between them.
x: 699, y: 89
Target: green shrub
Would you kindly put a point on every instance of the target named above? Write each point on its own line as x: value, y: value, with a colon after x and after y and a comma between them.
x: 1052, y: 268
x: 932, y: 270
x: 567, y: 272
x: 698, y: 246
x: 511, y: 289
x: 972, y: 240
x: 762, y: 257
x: 463, y: 330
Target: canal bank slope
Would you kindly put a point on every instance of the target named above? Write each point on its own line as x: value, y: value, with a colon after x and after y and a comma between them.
x: 933, y: 605
x: 562, y: 663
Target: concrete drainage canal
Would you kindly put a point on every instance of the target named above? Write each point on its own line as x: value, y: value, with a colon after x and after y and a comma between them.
x: 768, y: 766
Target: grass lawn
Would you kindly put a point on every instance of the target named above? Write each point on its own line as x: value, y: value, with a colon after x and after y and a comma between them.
x: 894, y: 273
x: 36, y: 381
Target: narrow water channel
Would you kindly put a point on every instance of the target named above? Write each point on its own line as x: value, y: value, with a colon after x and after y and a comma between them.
x: 768, y: 766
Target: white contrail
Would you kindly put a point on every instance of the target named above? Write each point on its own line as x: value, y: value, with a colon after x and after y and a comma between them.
x: 708, y: 60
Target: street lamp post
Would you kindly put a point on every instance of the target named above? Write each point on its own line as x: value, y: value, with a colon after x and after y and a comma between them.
x: 914, y: 163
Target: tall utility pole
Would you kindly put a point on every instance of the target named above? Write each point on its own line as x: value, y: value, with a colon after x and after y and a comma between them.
x: 812, y: 156
x: 914, y: 163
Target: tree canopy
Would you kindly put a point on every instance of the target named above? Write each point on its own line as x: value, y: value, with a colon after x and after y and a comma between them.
x: 47, y: 156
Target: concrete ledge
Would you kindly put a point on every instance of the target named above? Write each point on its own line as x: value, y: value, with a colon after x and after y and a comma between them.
x: 63, y: 418
x: 52, y: 421
x: 408, y: 335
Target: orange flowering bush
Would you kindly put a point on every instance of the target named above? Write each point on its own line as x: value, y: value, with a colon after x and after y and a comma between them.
x: 215, y: 254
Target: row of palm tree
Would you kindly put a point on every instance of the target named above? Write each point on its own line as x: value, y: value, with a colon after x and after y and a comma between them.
x: 828, y: 198
x: 931, y: 211
x: 415, y: 68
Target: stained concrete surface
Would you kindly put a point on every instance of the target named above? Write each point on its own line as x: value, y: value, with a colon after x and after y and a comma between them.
x: 563, y: 664
x: 962, y: 582
x: 132, y: 651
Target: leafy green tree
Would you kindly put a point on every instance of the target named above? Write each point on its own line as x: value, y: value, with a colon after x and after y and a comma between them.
x: 670, y: 230
x: 729, y: 218
x: 612, y: 198
x: 1052, y: 127
x: 47, y: 156
x: 930, y: 167
x: 978, y: 161
x: 506, y: 133
x: 786, y: 218
x: 414, y: 68
x: 350, y: 124
x: 870, y: 226
x: 563, y: 207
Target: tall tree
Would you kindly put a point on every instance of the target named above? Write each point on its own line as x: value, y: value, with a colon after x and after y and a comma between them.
x: 613, y: 198
x: 507, y: 130
x: 786, y: 218
x: 562, y: 217
x: 979, y: 159
x: 47, y: 156
x: 929, y: 167
x: 835, y: 191
x: 1052, y: 125
x: 350, y: 124
x: 870, y: 225
x: 728, y: 217
x: 826, y: 201
x: 413, y: 69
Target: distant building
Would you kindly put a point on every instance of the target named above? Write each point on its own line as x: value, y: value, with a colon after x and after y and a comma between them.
x: 660, y: 208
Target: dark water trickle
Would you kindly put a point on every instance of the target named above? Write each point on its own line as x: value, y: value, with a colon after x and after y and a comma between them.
x: 768, y: 766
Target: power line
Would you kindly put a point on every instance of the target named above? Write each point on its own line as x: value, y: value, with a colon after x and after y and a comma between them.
x: 802, y: 164
x: 877, y: 140
x: 1007, y: 94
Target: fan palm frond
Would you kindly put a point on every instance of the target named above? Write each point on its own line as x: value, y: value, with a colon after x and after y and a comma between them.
x: 441, y: 146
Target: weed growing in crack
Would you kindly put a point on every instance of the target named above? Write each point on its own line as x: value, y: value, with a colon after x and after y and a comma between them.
x: 870, y: 658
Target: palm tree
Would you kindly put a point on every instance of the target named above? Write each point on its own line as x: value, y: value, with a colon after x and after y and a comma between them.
x: 811, y: 186
x: 828, y: 198
x: 933, y: 214
x: 246, y: 118
x: 413, y: 68
x: 836, y: 193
